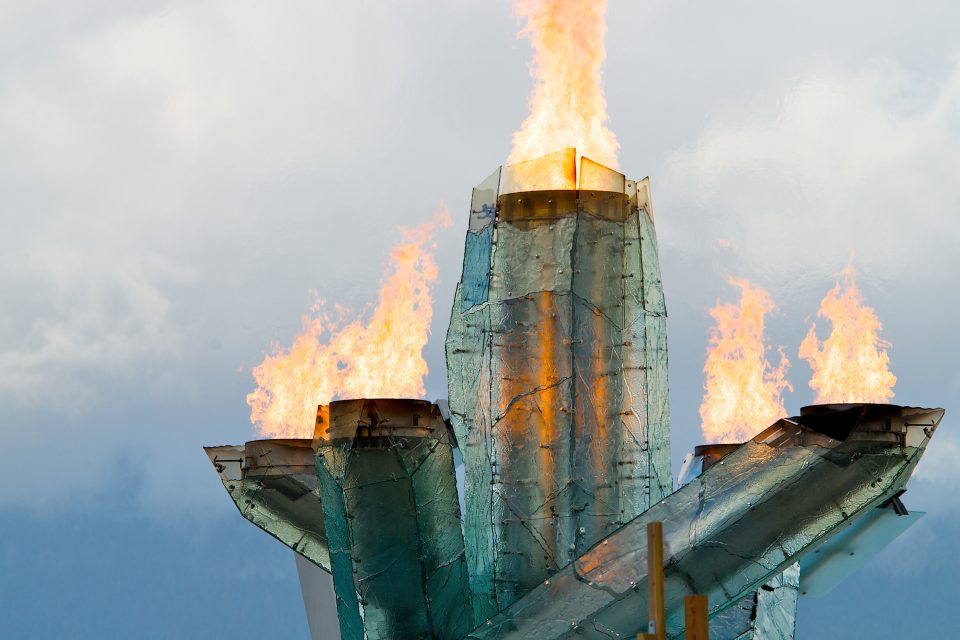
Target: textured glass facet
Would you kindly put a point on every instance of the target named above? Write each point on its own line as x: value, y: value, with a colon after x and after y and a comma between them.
x: 596, y: 177
x: 557, y: 170
x: 390, y: 505
x: 476, y: 262
x: 476, y: 252
x: 557, y: 380
x: 769, y: 613
x: 740, y: 524
x: 776, y: 617
x: 274, y: 485
x: 483, y: 202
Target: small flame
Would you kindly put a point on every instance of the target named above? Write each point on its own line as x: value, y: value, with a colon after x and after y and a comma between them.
x: 742, y: 391
x: 567, y: 107
x: 381, y: 357
x: 852, y: 364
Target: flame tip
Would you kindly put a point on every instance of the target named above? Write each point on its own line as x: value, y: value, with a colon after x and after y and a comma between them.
x: 567, y: 105
x: 376, y: 352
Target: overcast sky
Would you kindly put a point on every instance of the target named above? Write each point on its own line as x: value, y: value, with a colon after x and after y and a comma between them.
x: 180, y: 180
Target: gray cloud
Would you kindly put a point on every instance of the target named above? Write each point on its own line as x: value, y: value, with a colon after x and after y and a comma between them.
x: 178, y: 177
x: 842, y: 160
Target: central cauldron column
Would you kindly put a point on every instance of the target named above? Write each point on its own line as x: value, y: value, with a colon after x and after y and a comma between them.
x: 557, y: 370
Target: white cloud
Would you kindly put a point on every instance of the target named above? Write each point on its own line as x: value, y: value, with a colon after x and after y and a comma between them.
x: 175, y: 179
x: 866, y: 160
x: 85, y: 312
x: 130, y: 148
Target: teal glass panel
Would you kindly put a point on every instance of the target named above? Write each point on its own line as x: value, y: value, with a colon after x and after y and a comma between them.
x: 476, y: 268
x: 341, y: 549
x: 468, y: 362
x: 386, y: 471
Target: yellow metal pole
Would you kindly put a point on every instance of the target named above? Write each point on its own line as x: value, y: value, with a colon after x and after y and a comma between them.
x: 695, y: 618
x: 657, y: 616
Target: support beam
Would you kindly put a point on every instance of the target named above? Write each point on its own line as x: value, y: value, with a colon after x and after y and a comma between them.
x: 695, y: 617
x: 656, y: 614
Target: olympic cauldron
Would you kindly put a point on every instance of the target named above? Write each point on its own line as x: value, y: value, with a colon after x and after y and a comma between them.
x: 558, y: 409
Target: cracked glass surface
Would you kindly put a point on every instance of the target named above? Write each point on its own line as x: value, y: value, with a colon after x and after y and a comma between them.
x: 274, y: 485
x: 557, y: 373
x: 769, y: 613
x: 476, y: 252
x: 745, y: 520
x: 393, y: 521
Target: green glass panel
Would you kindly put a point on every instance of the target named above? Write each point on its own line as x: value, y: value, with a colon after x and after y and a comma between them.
x: 386, y: 472
x: 341, y: 548
x: 476, y: 263
x: 468, y: 362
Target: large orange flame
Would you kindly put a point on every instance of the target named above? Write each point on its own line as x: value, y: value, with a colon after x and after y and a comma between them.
x: 567, y: 107
x: 852, y: 364
x: 378, y: 357
x: 742, y: 390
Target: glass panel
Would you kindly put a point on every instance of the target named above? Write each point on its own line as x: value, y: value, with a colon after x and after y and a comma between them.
x: 643, y: 197
x: 776, y: 617
x: 477, y: 253
x: 770, y: 612
x: 652, y: 291
x: 533, y: 259
x: 596, y: 177
x: 646, y: 398
x: 274, y: 485
x: 483, y: 203
x: 555, y: 171
x: 852, y: 549
x: 468, y: 379
x: 399, y: 567
x: 534, y: 494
